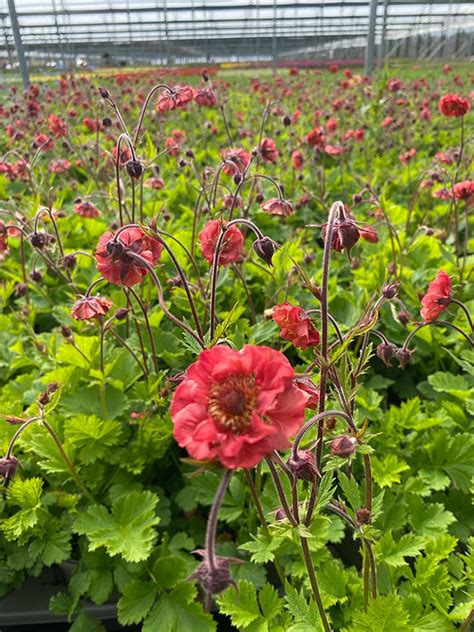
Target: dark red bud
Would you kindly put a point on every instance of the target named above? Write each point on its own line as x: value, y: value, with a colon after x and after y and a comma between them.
x: 385, y: 351
x: 403, y: 356
x: 363, y: 516
x: 390, y: 290
x: 134, y: 169
x: 121, y: 313
x: 343, y: 446
x: 303, y: 465
x: 8, y: 466
x: 265, y: 248
x: 104, y: 93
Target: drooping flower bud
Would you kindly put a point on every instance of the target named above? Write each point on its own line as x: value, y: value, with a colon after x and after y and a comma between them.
x: 385, y: 351
x: 390, y: 290
x: 69, y: 262
x: 343, y: 446
x: 13, y: 420
x: 214, y: 580
x: 134, y: 168
x: 121, y: 313
x: 38, y: 240
x: 348, y: 233
x: 8, y: 466
x: 66, y: 332
x: 45, y: 396
x: 303, y: 465
x: 287, y: 120
x: 265, y: 248
x: 104, y: 93
x: 403, y: 356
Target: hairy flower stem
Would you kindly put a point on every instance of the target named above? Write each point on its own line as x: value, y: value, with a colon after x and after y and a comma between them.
x: 263, y: 522
x: 215, y: 266
x: 280, y: 491
x: 144, y: 108
x: 466, y: 312
x: 144, y: 263
x: 314, y: 584
x: 210, y: 556
x: 58, y: 443
x: 439, y: 323
x: 103, y: 406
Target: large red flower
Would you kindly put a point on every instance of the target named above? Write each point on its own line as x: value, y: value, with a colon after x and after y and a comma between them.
x: 89, y: 307
x: 237, y: 406
x: 437, y: 298
x: 453, y: 105
x: 232, y: 244
x: 464, y: 190
x: 239, y: 157
x: 295, y: 325
x: 115, y: 259
x: 178, y: 97
x: 268, y: 150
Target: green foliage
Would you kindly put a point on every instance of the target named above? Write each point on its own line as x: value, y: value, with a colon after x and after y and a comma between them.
x: 127, y: 529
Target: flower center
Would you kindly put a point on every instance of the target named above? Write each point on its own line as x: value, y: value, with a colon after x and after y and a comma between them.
x: 232, y: 402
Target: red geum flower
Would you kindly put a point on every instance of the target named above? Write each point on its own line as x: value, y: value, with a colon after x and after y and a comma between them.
x: 407, y: 156
x: 369, y: 234
x: 437, y: 298
x: 239, y: 158
x: 442, y: 194
x: 57, y: 126
x: 334, y: 150
x: 42, y: 142
x: 89, y: 307
x: 464, y: 190
x: 236, y: 407
x: 3, y: 240
x: 295, y: 325
x: 268, y: 150
x: 114, y: 260
x: 445, y: 158
x: 154, y: 183
x: 60, y: 165
x: 453, y: 105
x: 345, y: 233
x: 388, y: 120
x: 297, y: 160
x: 232, y: 244
x: 315, y: 137
x: 331, y: 125
x: 308, y: 387
x: 277, y: 206
x: 86, y: 209
x: 206, y: 97
x: 177, y: 98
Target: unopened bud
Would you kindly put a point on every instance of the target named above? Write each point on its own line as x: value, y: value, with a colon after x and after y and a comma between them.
x: 134, y: 168
x: 121, y: 313
x: 66, y: 332
x: 107, y: 122
x: 214, y: 580
x: 38, y: 240
x: 14, y: 421
x: 403, y: 356
x: 385, y: 351
x: 45, y: 396
x: 343, y: 446
x: 69, y: 262
x: 303, y: 465
x: 104, y: 93
x: 287, y: 120
x: 36, y: 276
x: 8, y: 466
x: 390, y: 290
x: 348, y: 233
x: 403, y: 317
x: 21, y: 289
x: 363, y: 516
x: 265, y: 248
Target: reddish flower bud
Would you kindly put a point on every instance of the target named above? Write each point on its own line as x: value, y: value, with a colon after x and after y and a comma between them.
x: 363, y: 516
x: 265, y: 248
x: 303, y: 465
x: 403, y: 356
x: 390, y: 290
x: 343, y: 446
x: 104, y: 93
x: 8, y: 466
x: 14, y: 421
x: 121, y: 313
x: 385, y: 351
x: 214, y: 580
x: 134, y: 169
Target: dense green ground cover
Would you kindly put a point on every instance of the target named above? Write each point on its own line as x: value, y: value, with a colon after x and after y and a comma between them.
x: 100, y: 479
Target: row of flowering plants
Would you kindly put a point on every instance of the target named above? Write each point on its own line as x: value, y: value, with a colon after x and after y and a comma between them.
x: 237, y: 350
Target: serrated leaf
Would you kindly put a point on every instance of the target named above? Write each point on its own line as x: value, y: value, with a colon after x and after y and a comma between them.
x: 387, y: 471
x: 393, y: 553
x: 136, y: 602
x: 270, y: 602
x: 384, y: 614
x: 178, y: 611
x: 428, y: 519
x: 350, y: 489
x: 240, y: 605
x: 127, y: 530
